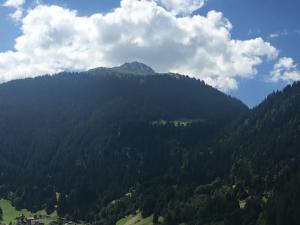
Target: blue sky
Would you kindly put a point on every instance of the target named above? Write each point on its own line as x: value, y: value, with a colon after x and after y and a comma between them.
x: 274, y: 21
x: 253, y: 18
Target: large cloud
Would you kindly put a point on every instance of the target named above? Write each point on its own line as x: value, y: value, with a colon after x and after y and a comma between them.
x: 55, y: 39
x: 285, y: 70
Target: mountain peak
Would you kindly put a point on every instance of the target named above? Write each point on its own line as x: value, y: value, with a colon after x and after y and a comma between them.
x: 135, y: 67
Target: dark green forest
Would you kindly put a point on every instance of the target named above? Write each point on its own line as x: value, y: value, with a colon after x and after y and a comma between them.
x: 112, y: 141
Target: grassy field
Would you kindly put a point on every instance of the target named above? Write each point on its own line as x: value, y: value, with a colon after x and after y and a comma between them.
x: 136, y: 220
x: 10, y: 213
x: 124, y: 220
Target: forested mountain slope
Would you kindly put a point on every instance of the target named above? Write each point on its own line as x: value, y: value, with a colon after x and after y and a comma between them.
x: 260, y: 157
x: 94, y: 136
x: 266, y: 157
x: 110, y: 142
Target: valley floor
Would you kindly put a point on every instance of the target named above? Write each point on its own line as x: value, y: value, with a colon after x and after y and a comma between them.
x: 10, y: 214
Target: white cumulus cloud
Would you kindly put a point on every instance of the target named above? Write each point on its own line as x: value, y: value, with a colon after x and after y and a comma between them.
x: 285, y: 70
x: 182, y: 6
x: 55, y: 39
x: 18, y: 6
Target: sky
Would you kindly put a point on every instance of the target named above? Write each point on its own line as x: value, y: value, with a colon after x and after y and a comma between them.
x: 245, y: 48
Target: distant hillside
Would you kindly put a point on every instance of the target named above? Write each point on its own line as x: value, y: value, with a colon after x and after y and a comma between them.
x: 266, y: 157
x: 126, y: 143
x: 96, y: 135
x: 134, y: 68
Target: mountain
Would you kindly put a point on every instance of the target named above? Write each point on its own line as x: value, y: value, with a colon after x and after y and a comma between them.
x: 96, y: 135
x: 133, y: 68
x: 260, y: 158
x: 266, y: 157
x: 100, y: 145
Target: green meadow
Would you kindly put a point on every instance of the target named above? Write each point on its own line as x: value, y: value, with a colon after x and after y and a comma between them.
x: 137, y: 220
x: 10, y: 213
